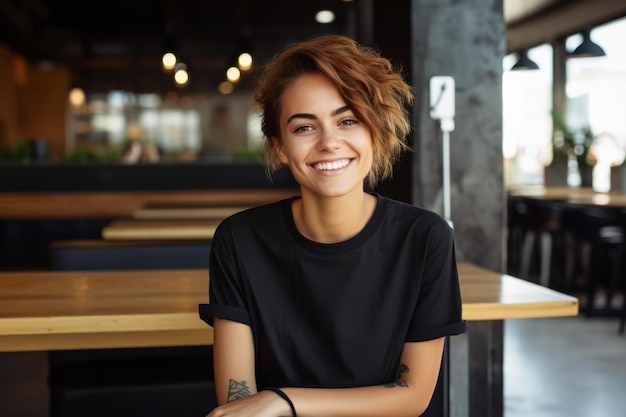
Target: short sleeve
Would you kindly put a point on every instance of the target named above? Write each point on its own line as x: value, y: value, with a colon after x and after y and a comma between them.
x: 226, y: 291
x: 438, y: 311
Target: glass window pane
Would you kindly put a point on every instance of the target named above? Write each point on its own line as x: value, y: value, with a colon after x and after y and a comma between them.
x: 526, y: 97
x: 596, y: 97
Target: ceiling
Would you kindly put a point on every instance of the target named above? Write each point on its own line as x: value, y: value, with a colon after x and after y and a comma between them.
x: 516, y: 10
x: 117, y: 44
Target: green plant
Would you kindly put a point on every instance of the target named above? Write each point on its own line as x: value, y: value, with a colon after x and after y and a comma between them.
x: 85, y: 154
x: 20, y: 152
x: 247, y: 154
x: 570, y: 142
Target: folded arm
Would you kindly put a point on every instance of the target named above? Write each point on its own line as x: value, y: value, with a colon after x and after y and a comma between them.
x: 235, y: 379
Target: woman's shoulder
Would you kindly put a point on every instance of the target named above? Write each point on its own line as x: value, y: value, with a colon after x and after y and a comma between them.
x: 256, y: 219
x: 259, y: 212
x: 401, y: 209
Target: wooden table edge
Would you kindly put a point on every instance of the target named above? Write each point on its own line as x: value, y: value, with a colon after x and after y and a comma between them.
x: 102, y: 324
x: 185, y: 232
x: 31, y: 343
x: 185, y: 213
x: 476, y: 312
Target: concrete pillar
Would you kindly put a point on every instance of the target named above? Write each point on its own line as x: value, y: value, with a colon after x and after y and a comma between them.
x: 465, y: 40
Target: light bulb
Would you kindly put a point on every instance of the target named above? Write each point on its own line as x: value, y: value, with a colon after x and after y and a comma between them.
x: 233, y: 74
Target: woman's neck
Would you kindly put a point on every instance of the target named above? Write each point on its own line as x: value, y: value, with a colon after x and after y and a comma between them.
x: 334, y: 219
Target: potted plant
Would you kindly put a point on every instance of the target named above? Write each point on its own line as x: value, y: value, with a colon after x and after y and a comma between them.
x: 573, y: 144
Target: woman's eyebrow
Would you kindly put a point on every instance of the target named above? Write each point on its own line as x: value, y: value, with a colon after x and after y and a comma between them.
x: 340, y: 110
x: 301, y: 116
x: 314, y: 117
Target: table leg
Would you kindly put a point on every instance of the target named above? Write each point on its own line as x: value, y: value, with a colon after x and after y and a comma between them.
x: 485, y: 344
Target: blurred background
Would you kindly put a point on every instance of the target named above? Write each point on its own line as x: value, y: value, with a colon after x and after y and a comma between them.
x: 174, y: 76
x: 170, y: 80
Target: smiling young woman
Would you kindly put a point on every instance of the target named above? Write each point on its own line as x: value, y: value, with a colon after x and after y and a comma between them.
x: 335, y: 302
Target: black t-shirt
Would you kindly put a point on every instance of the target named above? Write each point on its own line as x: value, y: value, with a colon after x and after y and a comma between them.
x: 334, y: 315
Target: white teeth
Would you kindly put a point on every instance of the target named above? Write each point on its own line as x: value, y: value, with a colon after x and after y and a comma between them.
x: 327, y: 166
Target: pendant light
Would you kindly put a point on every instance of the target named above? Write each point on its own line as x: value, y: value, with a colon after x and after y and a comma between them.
x: 587, y: 48
x: 524, y: 63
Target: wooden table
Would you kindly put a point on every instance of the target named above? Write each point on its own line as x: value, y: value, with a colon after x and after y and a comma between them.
x: 160, y: 229
x: 599, y: 200
x: 73, y: 310
x: 47, y: 310
x: 576, y: 196
x: 77, y: 310
x: 186, y: 211
x: 118, y: 204
x: 488, y: 299
x: 490, y: 295
x: 549, y: 193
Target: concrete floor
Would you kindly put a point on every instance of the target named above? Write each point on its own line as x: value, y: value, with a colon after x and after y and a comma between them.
x: 564, y: 367
x: 557, y: 367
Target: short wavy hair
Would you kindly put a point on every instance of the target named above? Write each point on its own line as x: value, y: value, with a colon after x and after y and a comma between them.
x: 372, y: 87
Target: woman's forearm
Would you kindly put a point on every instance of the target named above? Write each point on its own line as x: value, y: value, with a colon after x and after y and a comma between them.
x: 377, y: 401
x: 409, y: 396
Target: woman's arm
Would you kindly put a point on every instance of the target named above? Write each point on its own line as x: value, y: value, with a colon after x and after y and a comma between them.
x: 408, y: 396
x: 233, y: 357
x: 234, y: 369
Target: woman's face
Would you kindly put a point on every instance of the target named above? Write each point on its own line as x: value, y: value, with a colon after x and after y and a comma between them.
x: 327, y: 149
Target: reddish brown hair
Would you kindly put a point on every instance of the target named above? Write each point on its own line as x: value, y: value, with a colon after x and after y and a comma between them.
x: 369, y: 83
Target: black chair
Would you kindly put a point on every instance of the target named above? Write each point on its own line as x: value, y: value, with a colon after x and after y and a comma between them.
x: 516, y: 217
x: 538, y: 219
x: 155, y: 382
x: 622, y: 322
x: 600, y: 237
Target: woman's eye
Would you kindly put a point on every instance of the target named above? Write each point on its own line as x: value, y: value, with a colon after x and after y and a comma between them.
x: 348, y: 122
x: 302, y: 129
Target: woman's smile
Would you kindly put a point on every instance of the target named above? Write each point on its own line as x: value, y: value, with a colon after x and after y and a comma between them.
x: 331, y: 166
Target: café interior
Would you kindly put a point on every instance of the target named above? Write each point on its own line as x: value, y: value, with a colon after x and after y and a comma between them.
x: 127, y: 132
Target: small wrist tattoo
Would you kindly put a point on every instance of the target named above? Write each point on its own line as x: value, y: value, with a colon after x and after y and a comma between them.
x: 237, y: 390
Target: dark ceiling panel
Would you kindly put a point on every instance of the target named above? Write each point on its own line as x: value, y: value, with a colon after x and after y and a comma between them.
x: 120, y: 42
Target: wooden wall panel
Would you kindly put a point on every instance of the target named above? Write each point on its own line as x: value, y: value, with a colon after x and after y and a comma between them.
x: 8, y: 109
x: 43, y: 104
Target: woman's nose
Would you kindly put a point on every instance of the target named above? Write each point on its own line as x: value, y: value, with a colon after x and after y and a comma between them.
x: 329, y: 139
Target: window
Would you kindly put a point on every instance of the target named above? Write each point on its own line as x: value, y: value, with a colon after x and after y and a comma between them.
x: 596, y: 97
x: 177, y: 128
x: 526, y: 118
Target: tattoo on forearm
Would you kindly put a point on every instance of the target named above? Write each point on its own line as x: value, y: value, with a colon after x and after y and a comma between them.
x: 237, y: 390
x: 400, y: 382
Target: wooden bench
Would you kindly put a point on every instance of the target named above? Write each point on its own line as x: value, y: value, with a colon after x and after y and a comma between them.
x: 186, y: 211
x: 30, y: 221
x: 99, y: 254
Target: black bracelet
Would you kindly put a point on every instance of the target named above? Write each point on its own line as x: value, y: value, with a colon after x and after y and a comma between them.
x: 284, y: 396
